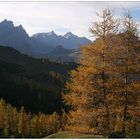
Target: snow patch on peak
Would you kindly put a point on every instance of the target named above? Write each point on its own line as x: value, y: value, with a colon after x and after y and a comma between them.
x: 51, y: 33
x: 69, y: 34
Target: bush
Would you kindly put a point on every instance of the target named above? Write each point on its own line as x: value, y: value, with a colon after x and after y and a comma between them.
x: 135, y: 134
x: 117, y: 134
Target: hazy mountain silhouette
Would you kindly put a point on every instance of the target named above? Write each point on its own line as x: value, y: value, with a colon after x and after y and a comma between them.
x: 60, y: 50
x: 15, y: 36
x: 68, y: 41
x: 40, y: 44
x: 64, y: 55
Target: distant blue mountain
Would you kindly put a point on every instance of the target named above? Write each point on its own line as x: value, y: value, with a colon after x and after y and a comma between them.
x: 68, y: 41
x: 14, y: 36
x: 64, y: 55
x: 40, y: 44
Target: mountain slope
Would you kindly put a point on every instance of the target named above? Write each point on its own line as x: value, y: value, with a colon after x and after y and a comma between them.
x: 14, y: 36
x: 33, y: 83
x: 68, y: 41
x: 60, y: 50
x: 63, y: 55
x: 76, y: 41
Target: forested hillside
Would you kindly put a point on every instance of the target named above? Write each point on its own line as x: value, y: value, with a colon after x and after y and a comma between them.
x: 33, y: 83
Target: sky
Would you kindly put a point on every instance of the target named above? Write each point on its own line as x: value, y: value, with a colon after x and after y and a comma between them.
x: 62, y: 17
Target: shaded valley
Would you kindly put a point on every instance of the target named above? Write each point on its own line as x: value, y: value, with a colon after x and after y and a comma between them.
x: 33, y: 83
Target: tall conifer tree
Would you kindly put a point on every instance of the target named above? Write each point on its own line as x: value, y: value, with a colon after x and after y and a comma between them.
x: 88, y: 90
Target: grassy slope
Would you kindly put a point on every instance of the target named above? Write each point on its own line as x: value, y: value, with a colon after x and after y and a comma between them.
x: 67, y: 134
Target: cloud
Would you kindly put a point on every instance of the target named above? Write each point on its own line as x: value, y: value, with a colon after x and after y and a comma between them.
x: 60, y: 16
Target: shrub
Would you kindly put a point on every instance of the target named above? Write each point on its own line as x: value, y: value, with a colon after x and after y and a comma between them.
x: 135, y: 134
x: 117, y: 134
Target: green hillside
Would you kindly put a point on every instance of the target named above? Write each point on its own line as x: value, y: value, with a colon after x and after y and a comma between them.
x: 68, y: 134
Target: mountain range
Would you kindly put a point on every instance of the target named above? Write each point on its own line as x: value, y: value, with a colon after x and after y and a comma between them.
x: 68, y: 41
x: 48, y: 44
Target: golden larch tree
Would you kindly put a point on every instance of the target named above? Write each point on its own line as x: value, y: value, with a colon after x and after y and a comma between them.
x: 88, y: 91
x: 127, y: 68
